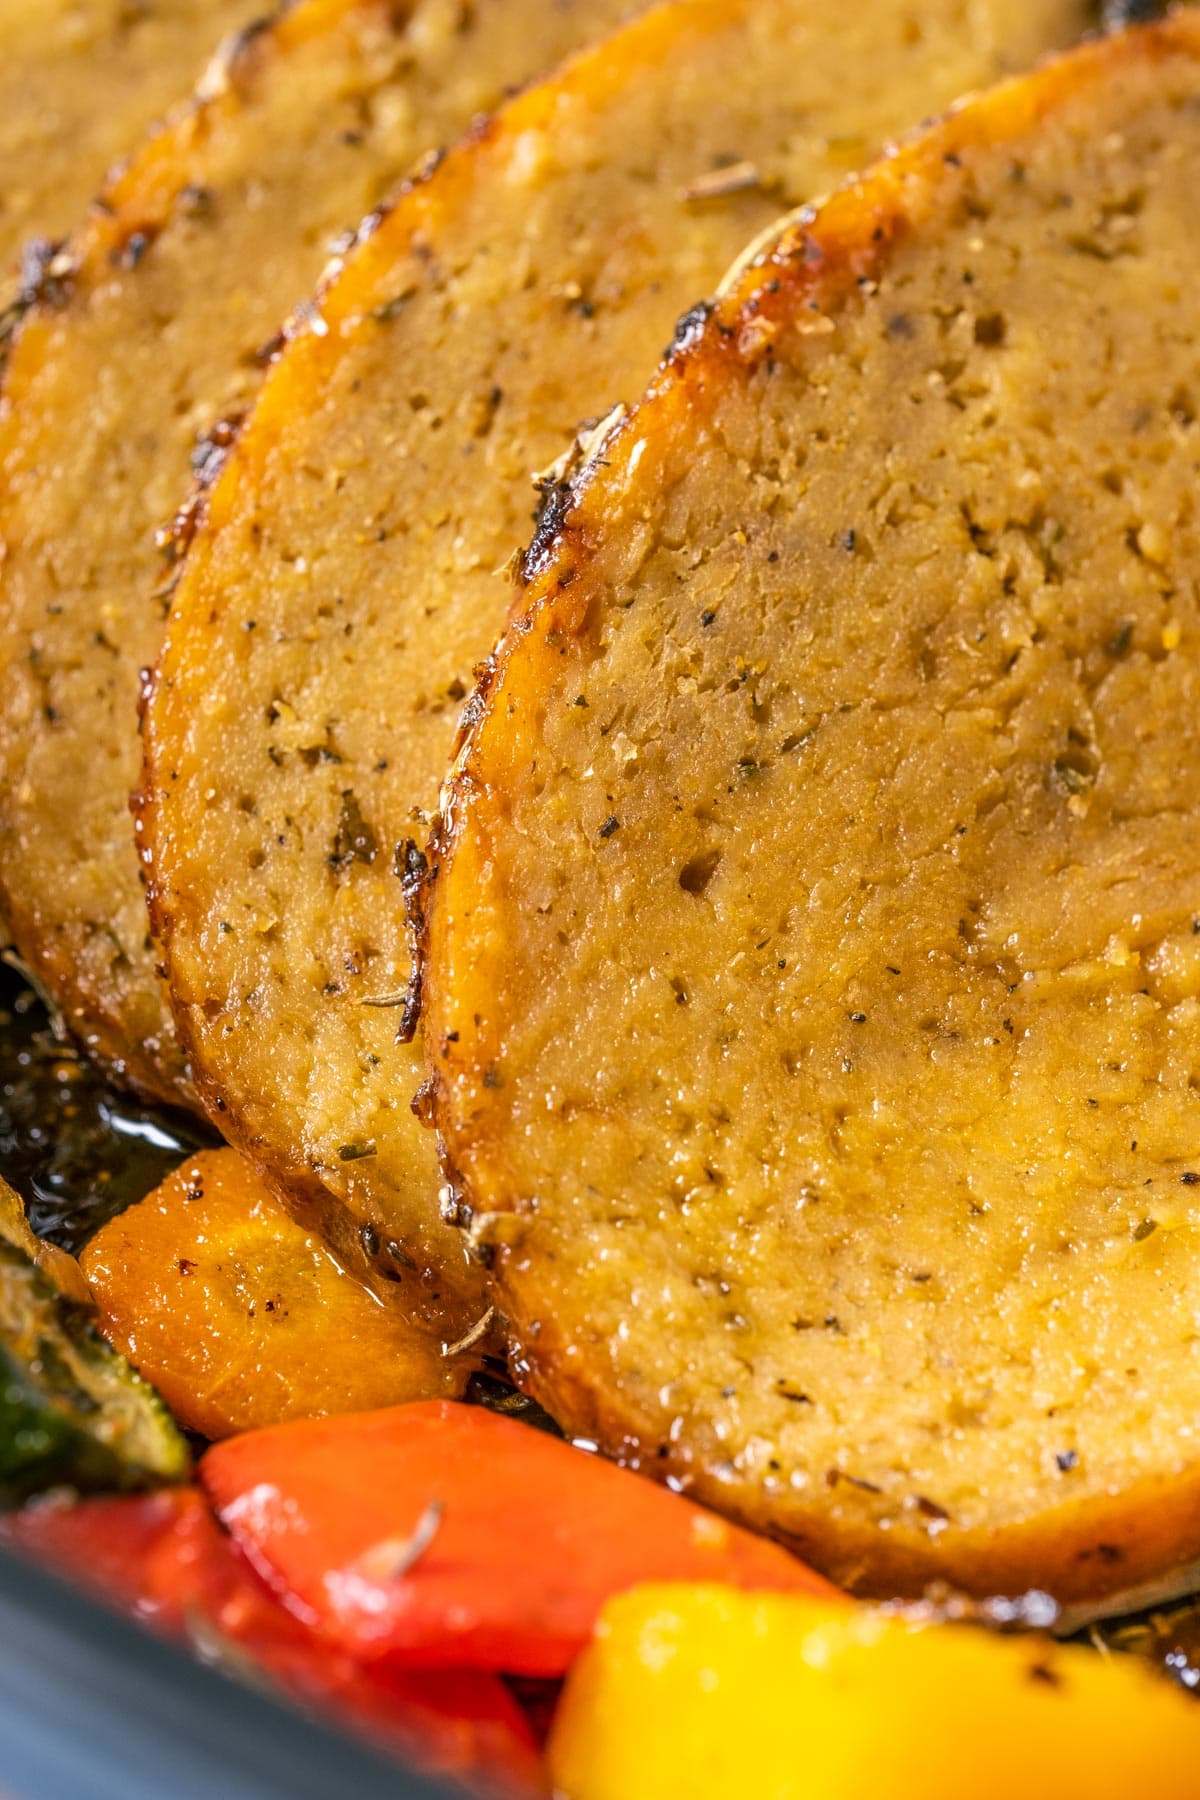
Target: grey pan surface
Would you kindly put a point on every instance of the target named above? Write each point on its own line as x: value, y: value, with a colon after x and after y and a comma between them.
x: 94, y: 1708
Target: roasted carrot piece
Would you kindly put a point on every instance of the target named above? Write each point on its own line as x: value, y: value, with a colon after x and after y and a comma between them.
x: 164, y: 1559
x: 447, y: 1535
x: 240, y: 1318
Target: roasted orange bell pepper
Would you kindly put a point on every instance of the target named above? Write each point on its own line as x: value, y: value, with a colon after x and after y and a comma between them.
x: 691, y: 1691
x: 445, y: 1534
x: 240, y: 1318
x: 164, y: 1559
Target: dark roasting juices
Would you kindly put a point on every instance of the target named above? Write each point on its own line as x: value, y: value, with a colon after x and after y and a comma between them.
x: 76, y: 1149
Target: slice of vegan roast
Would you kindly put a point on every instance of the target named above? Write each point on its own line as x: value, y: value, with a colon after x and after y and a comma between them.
x: 148, y: 337
x: 813, y: 990
x: 347, y: 576
x: 80, y: 81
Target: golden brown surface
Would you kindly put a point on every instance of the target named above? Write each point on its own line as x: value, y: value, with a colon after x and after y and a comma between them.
x: 814, y: 991
x: 241, y: 1319
x: 80, y: 81
x: 217, y: 227
x: 363, y: 515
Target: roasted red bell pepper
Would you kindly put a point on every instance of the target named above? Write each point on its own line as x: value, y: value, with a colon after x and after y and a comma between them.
x: 444, y: 1535
x: 125, y: 1551
x: 164, y: 1559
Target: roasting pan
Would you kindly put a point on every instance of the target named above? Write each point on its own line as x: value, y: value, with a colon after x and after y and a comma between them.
x: 93, y: 1707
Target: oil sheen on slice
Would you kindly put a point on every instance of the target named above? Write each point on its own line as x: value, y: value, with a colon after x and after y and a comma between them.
x: 348, y: 574
x: 150, y: 334
x: 813, y: 1001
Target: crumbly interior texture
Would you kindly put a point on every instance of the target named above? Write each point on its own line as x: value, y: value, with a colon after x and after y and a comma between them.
x: 350, y: 572
x: 814, y: 988
x: 80, y: 80
x: 218, y: 227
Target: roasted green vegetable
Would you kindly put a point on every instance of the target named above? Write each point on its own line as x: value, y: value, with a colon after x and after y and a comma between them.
x: 72, y: 1412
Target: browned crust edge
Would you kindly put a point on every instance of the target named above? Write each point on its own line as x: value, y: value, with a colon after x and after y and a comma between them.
x: 1098, y: 1547
x: 46, y: 265
x: 50, y: 275
x: 131, y: 207
x: 287, y: 1171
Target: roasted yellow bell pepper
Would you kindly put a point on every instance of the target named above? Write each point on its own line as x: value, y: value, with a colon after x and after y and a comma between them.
x: 704, y: 1693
